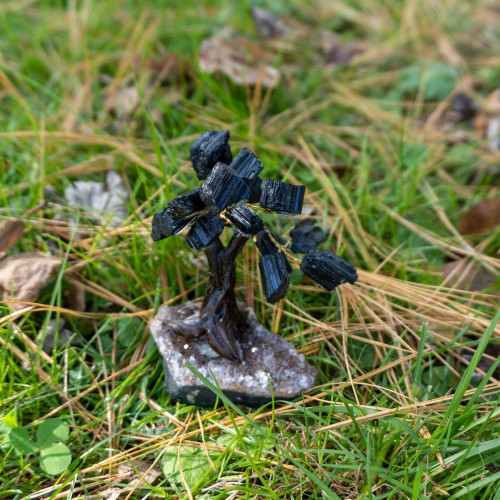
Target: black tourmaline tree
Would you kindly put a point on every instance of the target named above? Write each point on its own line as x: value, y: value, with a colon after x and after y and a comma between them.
x: 229, y: 195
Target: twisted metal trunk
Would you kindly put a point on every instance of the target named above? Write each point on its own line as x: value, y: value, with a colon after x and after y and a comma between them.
x: 219, y: 316
x: 219, y: 295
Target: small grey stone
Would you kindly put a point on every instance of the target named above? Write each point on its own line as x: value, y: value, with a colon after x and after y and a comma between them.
x: 267, y: 356
x: 56, y: 328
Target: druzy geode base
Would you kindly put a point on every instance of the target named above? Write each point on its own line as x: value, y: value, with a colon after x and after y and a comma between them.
x: 267, y: 357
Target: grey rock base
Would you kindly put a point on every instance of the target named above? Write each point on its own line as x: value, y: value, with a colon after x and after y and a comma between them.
x: 267, y: 356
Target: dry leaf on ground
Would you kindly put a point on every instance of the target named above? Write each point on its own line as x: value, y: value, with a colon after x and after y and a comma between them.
x: 267, y: 24
x: 123, y: 101
x: 101, y: 199
x: 127, y: 474
x: 336, y: 52
x: 481, y: 217
x: 244, y: 62
x: 467, y: 275
x: 22, y: 276
x: 493, y: 102
x: 10, y: 232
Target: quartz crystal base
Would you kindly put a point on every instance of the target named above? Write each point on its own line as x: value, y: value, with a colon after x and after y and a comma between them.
x: 268, y: 359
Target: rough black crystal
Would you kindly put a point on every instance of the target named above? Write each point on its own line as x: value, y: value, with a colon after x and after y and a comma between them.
x: 274, y: 276
x: 306, y: 236
x: 245, y: 220
x: 204, y: 231
x: 282, y: 197
x: 211, y: 147
x: 255, y: 190
x: 186, y: 204
x: 176, y: 215
x: 328, y: 269
x: 163, y: 225
x: 266, y: 244
x: 247, y: 165
x: 224, y: 188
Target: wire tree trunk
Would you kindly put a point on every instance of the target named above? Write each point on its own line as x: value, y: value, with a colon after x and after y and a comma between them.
x: 220, y: 317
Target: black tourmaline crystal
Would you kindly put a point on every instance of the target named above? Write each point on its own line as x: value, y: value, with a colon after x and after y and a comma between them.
x: 282, y: 197
x: 176, y: 215
x: 247, y: 165
x: 211, y: 147
x: 163, y: 225
x: 224, y: 188
x: 204, y: 231
x: 245, y: 220
x: 186, y: 204
x: 255, y: 190
x: 306, y: 236
x: 328, y: 269
x: 266, y: 244
x: 274, y: 276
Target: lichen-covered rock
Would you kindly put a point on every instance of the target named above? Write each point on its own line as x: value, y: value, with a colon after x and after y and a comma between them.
x: 268, y: 358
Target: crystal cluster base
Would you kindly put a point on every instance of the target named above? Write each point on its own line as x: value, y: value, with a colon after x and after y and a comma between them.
x: 267, y: 358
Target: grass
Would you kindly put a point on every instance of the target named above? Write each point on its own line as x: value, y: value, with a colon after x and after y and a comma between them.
x: 398, y: 412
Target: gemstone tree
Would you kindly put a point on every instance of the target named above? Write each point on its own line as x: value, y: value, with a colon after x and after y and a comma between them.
x: 231, y: 191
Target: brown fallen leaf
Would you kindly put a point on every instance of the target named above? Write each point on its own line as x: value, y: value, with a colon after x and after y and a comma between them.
x: 22, y: 276
x: 481, y: 217
x: 480, y: 125
x: 10, y: 232
x: 493, y: 102
x: 467, y: 275
x: 244, y: 62
x: 126, y: 474
x: 122, y: 102
x: 267, y: 24
x: 336, y: 52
